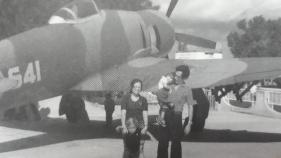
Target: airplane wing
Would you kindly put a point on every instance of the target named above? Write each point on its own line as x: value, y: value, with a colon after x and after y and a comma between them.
x: 210, y: 73
x: 204, y: 73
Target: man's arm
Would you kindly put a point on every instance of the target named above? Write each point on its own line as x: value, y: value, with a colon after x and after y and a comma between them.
x: 145, y: 119
x: 190, y: 114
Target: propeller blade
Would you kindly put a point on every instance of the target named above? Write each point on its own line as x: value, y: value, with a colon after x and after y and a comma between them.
x: 195, y: 40
x: 172, y: 6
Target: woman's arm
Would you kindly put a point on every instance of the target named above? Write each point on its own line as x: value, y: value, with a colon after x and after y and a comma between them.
x: 145, y: 120
x: 145, y: 116
x: 123, y: 114
x: 123, y: 117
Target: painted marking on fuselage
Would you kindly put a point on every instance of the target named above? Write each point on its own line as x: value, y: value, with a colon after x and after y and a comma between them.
x: 31, y: 75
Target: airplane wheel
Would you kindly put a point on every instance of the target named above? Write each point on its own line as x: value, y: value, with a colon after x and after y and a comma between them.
x: 28, y: 112
x: 71, y: 115
x: 197, y: 125
x: 73, y: 107
x: 10, y: 114
x: 200, y: 110
x: 32, y: 112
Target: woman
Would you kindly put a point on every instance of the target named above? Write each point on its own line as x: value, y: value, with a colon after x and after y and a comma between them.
x: 134, y: 107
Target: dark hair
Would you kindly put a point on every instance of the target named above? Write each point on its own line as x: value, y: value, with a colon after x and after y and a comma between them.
x: 136, y: 80
x: 185, y: 71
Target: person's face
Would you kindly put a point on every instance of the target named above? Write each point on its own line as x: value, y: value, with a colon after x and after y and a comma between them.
x: 178, y: 77
x: 131, y: 129
x: 136, y: 88
x: 169, y: 80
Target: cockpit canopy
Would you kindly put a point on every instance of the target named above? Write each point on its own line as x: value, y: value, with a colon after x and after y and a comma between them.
x: 78, y: 9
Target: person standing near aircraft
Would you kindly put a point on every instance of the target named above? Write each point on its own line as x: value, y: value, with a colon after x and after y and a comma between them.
x: 134, y: 106
x: 109, y: 106
x: 179, y: 95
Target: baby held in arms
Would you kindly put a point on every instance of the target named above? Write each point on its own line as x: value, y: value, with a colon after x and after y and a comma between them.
x: 162, y: 94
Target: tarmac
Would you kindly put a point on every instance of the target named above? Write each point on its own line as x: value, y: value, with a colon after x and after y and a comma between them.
x: 227, y: 134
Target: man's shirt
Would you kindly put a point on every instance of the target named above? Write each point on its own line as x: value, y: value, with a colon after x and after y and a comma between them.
x: 179, y: 95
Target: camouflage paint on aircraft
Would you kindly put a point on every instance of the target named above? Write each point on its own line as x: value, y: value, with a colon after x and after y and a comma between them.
x: 104, y: 52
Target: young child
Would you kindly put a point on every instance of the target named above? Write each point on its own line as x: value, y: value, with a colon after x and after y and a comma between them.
x: 132, y: 140
x: 162, y: 95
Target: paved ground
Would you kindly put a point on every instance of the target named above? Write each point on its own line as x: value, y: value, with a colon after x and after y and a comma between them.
x: 227, y: 134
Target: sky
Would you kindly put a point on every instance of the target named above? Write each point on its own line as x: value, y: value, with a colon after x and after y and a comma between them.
x: 214, y: 19
x: 222, y: 10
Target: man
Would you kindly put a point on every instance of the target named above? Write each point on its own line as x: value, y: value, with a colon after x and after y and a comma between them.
x: 179, y: 95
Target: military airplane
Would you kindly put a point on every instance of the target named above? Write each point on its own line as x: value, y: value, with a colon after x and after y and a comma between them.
x: 102, y: 50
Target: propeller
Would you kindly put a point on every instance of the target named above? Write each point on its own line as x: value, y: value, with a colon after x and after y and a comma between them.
x: 187, y: 38
x: 171, y: 8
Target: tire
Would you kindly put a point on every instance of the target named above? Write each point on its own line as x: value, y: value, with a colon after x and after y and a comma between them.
x: 71, y: 115
x: 73, y: 106
x: 200, y: 110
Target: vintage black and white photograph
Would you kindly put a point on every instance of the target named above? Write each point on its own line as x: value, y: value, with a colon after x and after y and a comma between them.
x: 140, y: 79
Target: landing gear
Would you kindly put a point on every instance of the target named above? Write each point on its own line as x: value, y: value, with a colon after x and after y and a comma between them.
x: 27, y: 112
x: 73, y: 106
x: 200, y: 110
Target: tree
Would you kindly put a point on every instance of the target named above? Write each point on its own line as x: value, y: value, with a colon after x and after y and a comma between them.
x: 258, y: 37
x: 21, y: 15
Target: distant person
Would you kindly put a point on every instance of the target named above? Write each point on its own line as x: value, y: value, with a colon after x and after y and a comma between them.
x: 179, y: 95
x: 109, y: 106
x: 134, y: 107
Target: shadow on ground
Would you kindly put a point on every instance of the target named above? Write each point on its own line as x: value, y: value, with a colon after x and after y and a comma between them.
x: 226, y: 135
x: 210, y: 135
x: 59, y: 131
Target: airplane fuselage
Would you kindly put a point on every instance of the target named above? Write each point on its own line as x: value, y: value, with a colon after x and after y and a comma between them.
x: 50, y: 60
